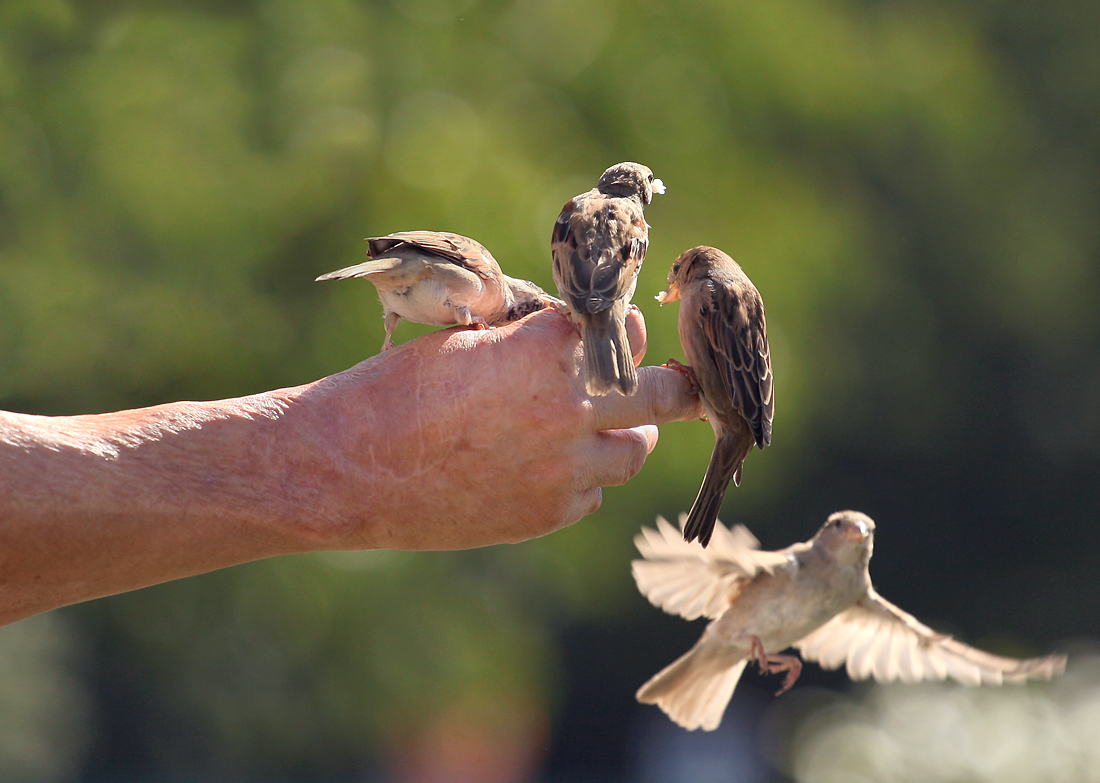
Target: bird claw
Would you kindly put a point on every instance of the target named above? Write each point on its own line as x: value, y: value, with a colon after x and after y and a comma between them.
x: 775, y: 664
x: 686, y: 371
x: 793, y: 666
x: 557, y: 305
x: 562, y: 309
x: 756, y: 652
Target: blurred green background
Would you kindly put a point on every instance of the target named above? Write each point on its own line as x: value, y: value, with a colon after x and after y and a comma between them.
x: 913, y: 187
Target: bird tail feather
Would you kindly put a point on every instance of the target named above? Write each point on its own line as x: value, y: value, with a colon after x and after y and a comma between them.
x: 695, y: 688
x: 607, y: 361
x: 373, y: 268
x: 726, y: 462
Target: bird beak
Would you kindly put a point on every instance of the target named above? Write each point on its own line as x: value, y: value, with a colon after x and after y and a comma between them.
x: 858, y: 533
x: 658, y: 187
x: 670, y: 294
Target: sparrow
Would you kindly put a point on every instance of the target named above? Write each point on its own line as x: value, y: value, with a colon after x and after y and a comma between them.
x: 816, y: 596
x: 437, y: 278
x: 598, y: 244
x: 725, y: 338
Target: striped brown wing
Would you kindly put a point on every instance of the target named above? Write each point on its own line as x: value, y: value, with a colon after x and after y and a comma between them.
x: 736, y: 338
x: 463, y: 251
x: 598, y: 244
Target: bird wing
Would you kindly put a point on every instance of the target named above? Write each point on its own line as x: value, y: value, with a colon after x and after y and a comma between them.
x: 876, y: 639
x: 598, y: 244
x: 735, y: 335
x: 455, y: 248
x: 685, y: 579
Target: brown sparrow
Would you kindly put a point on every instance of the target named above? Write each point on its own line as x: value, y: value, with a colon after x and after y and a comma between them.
x: 599, y: 242
x: 725, y: 339
x: 816, y: 596
x: 437, y: 278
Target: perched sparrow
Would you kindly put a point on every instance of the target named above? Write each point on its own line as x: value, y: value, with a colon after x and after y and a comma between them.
x: 599, y: 242
x: 815, y: 596
x: 432, y: 277
x: 725, y: 339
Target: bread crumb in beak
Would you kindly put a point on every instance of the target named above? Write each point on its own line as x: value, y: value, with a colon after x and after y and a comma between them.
x: 670, y: 294
x: 658, y: 187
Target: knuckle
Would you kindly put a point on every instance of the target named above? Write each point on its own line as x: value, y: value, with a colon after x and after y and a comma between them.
x: 638, y: 455
x: 633, y: 460
x: 594, y: 501
x: 669, y: 397
x: 658, y: 395
x: 581, y: 504
x: 656, y: 400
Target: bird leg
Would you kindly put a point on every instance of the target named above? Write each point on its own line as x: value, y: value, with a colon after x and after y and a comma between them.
x: 562, y: 309
x: 555, y: 304
x: 392, y: 319
x: 685, y: 371
x: 688, y: 373
x: 463, y: 316
x: 774, y: 664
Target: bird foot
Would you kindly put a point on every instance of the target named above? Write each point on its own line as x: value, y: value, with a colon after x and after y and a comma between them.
x: 775, y: 664
x: 688, y: 373
x: 562, y: 309
x: 557, y: 305
x: 685, y: 371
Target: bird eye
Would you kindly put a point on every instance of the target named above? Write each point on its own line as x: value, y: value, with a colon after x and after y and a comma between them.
x: 650, y: 177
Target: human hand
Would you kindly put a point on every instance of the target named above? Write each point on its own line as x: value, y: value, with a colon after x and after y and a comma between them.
x: 466, y: 438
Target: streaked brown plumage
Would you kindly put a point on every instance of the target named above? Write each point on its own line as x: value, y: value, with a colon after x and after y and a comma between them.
x: 816, y: 596
x: 438, y: 278
x: 599, y: 243
x: 725, y: 338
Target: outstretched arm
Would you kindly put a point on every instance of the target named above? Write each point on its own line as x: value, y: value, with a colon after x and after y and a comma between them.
x: 457, y: 439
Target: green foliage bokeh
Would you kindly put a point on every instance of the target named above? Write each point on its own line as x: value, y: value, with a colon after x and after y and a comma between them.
x: 911, y: 186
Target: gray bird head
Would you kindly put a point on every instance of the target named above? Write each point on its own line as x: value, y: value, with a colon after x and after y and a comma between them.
x: 630, y: 180
x: 847, y: 535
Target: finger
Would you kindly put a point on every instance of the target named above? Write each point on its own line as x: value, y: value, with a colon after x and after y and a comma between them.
x: 636, y: 333
x: 618, y: 455
x: 584, y: 503
x: 663, y: 395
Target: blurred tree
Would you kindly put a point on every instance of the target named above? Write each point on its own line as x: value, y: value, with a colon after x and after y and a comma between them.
x: 910, y: 185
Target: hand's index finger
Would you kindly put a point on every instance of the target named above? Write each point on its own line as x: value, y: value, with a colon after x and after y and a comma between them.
x: 663, y: 395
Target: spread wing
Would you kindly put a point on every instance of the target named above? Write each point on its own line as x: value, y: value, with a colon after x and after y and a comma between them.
x: 690, y: 581
x: 598, y: 244
x: 736, y: 336
x: 876, y: 639
x: 463, y: 251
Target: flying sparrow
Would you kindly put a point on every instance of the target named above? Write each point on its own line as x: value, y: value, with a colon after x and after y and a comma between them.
x: 725, y: 339
x: 599, y: 242
x: 816, y: 596
x: 437, y: 278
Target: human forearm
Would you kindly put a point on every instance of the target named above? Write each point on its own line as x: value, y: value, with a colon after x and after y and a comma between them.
x: 94, y: 505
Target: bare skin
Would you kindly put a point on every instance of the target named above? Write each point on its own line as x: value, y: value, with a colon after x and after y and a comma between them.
x: 458, y: 439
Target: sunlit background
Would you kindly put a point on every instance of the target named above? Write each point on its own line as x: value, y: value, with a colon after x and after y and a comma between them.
x: 911, y: 185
